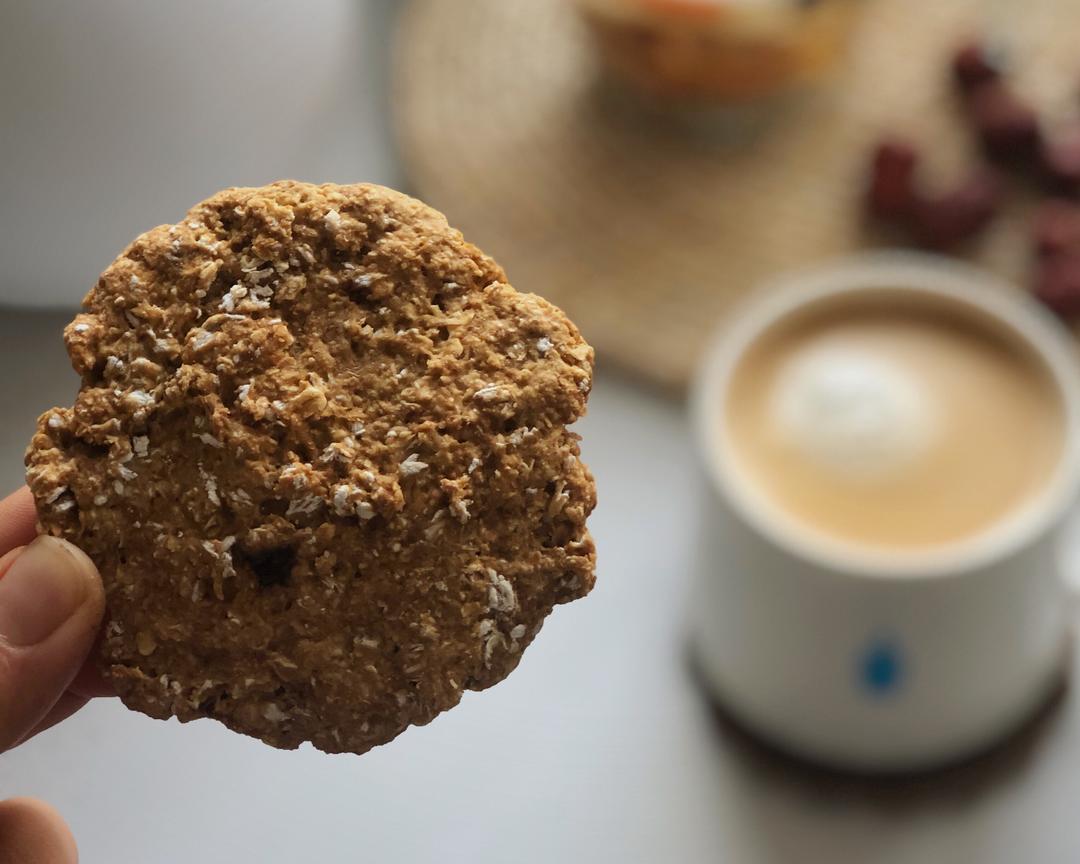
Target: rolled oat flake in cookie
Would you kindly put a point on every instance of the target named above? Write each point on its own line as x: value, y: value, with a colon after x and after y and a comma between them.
x: 320, y: 455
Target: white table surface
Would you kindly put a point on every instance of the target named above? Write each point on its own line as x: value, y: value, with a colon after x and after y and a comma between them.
x: 599, y: 747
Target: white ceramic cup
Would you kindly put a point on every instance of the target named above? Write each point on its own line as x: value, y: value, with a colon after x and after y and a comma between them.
x: 880, y: 661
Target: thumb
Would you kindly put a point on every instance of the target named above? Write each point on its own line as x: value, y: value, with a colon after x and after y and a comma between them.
x: 31, y: 832
x: 51, y: 605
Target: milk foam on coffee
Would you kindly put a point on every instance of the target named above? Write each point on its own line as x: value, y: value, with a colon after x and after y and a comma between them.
x: 893, y: 425
x: 852, y: 411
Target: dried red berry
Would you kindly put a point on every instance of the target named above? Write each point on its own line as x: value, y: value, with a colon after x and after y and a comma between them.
x: 973, y: 66
x: 1059, y: 158
x: 1056, y: 228
x: 1008, y: 127
x: 1057, y: 283
x: 891, y: 193
x: 946, y: 220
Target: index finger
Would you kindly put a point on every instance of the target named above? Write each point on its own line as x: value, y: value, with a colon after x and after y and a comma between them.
x: 18, y: 520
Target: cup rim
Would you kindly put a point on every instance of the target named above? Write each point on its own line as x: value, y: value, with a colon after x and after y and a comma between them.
x: 877, y: 272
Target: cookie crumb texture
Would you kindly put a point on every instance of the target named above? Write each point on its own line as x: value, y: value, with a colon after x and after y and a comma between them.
x: 320, y: 456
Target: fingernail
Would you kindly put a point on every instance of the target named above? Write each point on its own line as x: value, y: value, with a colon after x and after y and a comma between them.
x: 43, y: 587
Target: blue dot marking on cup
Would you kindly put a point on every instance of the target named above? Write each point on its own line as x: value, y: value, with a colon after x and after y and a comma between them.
x: 881, y: 668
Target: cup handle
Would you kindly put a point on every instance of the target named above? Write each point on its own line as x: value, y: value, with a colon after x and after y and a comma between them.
x: 1069, y: 556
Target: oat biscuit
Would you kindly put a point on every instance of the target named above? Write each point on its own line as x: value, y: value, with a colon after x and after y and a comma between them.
x: 320, y: 456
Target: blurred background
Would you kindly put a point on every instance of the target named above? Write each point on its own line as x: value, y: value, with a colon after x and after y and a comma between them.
x: 644, y: 165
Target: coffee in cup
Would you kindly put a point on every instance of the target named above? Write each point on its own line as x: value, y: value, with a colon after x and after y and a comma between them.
x: 893, y: 420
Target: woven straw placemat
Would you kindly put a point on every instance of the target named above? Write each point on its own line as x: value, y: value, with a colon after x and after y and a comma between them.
x: 646, y: 229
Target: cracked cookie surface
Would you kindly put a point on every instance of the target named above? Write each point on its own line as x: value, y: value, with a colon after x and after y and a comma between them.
x: 320, y: 457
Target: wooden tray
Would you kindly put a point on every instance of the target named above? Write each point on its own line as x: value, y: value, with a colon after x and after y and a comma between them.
x: 645, y: 228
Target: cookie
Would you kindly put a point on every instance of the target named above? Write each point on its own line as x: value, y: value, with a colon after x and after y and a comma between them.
x: 320, y: 457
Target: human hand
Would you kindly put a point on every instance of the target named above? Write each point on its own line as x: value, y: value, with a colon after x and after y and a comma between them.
x: 51, y: 606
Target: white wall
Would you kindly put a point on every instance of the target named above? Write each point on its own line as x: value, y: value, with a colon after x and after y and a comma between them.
x: 117, y: 115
